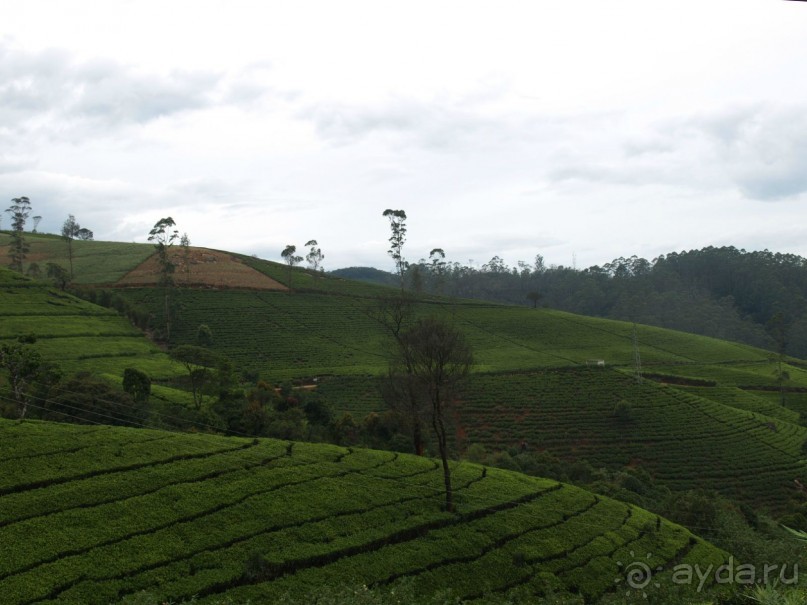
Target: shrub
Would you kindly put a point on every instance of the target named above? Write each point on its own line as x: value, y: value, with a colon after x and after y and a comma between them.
x: 623, y: 411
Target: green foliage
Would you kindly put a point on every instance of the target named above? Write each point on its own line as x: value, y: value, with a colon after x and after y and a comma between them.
x: 776, y: 595
x: 291, y: 259
x: 684, y: 441
x: 21, y: 363
x: 623, y: 411
x: 99, y: 513
x: 204, y: 336
x: 137, y: 384
x: 59, y: 275
x: 199, y: 363
x: 163, y: 237
x: 314, y: 256
x: 86, y: 399
x: 397, y: 224
x: 18, y: 250
x: 77, y: 336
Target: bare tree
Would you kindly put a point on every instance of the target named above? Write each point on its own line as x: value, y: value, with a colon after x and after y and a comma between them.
x: 394, y: 313
x: 438, y: 359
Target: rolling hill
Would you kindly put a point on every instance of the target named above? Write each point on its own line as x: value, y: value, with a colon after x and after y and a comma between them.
x: 101, y: 512
x: 93, y: 513
x: 715, y: 425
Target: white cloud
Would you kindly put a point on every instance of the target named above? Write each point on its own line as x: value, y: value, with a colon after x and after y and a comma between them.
x: 595, y: 130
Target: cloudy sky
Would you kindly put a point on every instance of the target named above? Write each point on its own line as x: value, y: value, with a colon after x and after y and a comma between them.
x: 582, y: 130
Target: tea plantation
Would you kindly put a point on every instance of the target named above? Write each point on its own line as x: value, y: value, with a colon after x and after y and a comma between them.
x: 91, y: 514
x: 78, y: 336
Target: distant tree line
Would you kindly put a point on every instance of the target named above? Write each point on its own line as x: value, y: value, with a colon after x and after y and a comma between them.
x: 752, y: 297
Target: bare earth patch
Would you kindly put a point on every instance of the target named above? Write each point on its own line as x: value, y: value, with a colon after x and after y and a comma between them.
x: 202, y: 268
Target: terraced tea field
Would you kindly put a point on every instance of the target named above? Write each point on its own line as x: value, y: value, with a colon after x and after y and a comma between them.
x: 683, y: 440
x: 325, y: 329
x: 752, y: 401
x: 697, y: 437
x: 93, y: 262
x: 91, y: 514
x: 316, y: 333
x: 74, y: 334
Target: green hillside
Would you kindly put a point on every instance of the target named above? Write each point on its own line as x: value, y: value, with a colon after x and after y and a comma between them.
x: 91, y: 514
x: 78, y: 336
x: 93, y: 262
x: 325, y: 330
x: 685, y: 439
x: 73, y: 333
x: 315, y: 332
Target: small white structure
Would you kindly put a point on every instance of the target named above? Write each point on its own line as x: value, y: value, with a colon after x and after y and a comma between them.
x: 598, y: 363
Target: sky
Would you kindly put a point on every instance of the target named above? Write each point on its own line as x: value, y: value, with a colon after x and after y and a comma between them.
x: 582, y: 131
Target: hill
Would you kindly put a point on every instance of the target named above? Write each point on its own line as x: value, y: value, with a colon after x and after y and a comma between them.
x: 73, y: 333
x: 95, y: 513
x: 518, y: 393
x: 756, y: 297
x: 324, y: 333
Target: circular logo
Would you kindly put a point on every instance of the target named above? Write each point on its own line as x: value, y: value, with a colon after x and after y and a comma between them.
x: 638, y: 575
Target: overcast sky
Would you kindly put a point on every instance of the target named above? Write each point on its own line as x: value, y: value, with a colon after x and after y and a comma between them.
x: 581, y: 131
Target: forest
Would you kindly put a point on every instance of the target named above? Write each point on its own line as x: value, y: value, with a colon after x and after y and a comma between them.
x: 755, y: 297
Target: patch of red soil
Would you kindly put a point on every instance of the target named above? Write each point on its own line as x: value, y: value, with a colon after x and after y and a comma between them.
x: 202, y: 268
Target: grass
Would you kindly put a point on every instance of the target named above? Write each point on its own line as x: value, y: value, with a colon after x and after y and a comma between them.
x: 93, y: 262
x: 98, y: 513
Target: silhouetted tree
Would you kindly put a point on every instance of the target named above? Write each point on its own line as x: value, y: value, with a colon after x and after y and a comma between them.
x: 137, y: 384
x: 199, y: 363
x: 185, y: 243
x: 314, y: 256
x: 58, y: 274
x: 19, y: 210
x: 398, y: 390
x: 397, y: 223
x: 291, y: 259
x: 439, y: 359
x: 70, y: 230
x: 163, y: 237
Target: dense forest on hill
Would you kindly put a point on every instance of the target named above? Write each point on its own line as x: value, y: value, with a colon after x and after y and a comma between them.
x: 753, y: 297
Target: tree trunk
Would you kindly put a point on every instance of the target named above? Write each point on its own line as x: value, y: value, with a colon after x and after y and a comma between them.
x: 70, y: 257
x: 22, y: 403
x: 440, y: 432
x: 167, y: 318
x: 417, y: 438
